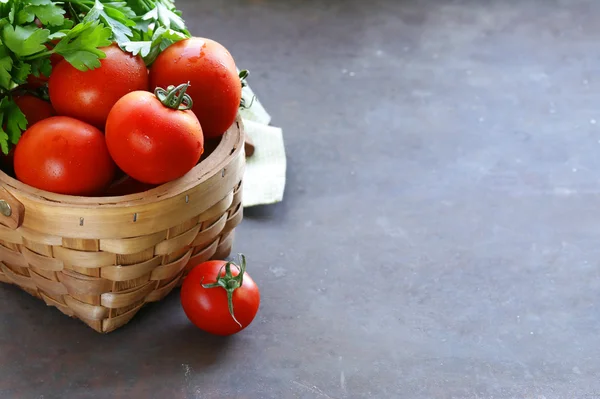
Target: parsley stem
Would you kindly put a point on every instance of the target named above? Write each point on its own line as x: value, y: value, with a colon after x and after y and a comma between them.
x: 39, y: 55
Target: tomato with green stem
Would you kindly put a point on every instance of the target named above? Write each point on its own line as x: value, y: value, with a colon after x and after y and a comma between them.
x: 90, y: 95
x: 155, y: 138
x: 215, y: 84
x: 219, y: 297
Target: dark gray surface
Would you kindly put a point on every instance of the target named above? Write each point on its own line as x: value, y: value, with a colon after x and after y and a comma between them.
x: 440, y: 232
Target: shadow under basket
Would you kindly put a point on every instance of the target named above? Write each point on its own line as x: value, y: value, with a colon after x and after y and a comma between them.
x: 100, y: 259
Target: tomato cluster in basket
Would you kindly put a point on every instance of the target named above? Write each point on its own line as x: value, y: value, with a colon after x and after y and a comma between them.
x: 110, y: 98
x: 115, y: 100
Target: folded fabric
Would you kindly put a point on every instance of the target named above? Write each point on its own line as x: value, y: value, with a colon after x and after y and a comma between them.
x: 264, y: 179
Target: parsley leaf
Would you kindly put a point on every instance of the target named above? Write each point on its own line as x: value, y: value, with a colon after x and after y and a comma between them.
x: 149, y: 50
x: 3, y: 141
x: 13, y: 122
x: 117, y: 19
x: 41, y: 66
x: 21, y: 71
x: 6, y: 64
x: 80, y: 45
x: 24, y: 40
x: 46, y: 11
x: 165, y: 16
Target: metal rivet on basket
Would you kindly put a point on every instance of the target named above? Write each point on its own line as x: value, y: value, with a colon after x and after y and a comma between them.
x: 81, y: 221
x: 187, y: 199
x: 5, y: 208
x: 135, y: 217
x: 223, y: 173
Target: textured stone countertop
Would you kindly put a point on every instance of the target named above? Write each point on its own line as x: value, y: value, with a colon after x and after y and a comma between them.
x: 440, y: 234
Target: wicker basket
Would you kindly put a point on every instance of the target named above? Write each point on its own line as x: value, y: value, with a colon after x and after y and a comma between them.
x: 102, y: 259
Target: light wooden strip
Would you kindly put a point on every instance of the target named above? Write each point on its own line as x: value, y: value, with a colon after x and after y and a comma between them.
x: 134, y: 259
x: 83, y: 285
x: 50, y: 275
x: 94, y: 324
x: 38, y: 237
x: 84, y: 310
x: 10, y: 235
x: 91, y: 260
x: 123, y: 286
x: 175, y: 255
x: 41, y: 249
x: 81, y: 244
x: 224, y: 248
x: 182, y: 228
x: 234, y: 220
x: 90, y: 299
x: 56, y: 298
x: 42, y: 262
x: 210, y: 233
x: 11, y: 246
x: 51, y: 302
x: 52, y: 287
x: 237, y: 196
x: 115, y: 300
x: 130, y: 272
x: 24, y: 282
x: 166, y: 272
x: 12, y: 257
x: 202, y: 256
x: 182, y: 240
x: 162, y: 292
x: 113, y: 323
x: 219, y: 208
x: 127, y: 246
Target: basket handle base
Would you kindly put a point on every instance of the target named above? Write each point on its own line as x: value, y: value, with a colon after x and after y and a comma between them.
x: 11, y: 210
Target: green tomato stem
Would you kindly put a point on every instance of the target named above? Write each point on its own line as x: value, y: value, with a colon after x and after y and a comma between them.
x: 175, y: 97
x: 230, y: 283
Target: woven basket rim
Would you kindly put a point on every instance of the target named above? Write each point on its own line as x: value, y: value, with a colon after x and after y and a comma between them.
x: 231, y: 144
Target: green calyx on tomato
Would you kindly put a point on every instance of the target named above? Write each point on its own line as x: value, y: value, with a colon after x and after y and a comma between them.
x: 230, y: 283
x: 175, y: 97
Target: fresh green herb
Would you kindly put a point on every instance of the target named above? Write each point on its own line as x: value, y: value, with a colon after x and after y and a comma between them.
x: 32, y: 30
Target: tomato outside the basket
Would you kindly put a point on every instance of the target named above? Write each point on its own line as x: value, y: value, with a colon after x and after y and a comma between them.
x: 90, y: 95
x: 215, y: 85
x: 207, y: 308
x: 65, y: 156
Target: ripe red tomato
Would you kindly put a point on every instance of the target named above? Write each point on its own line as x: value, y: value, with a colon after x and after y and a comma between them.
x: 152, y: 141
x: 34, y: 108
x: 215, y: 85
x: 90, y: 95
x: 211, y: 306
x: 65, y: 156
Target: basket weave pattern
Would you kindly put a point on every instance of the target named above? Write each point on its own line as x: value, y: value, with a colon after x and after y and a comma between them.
x: 105, y: 281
